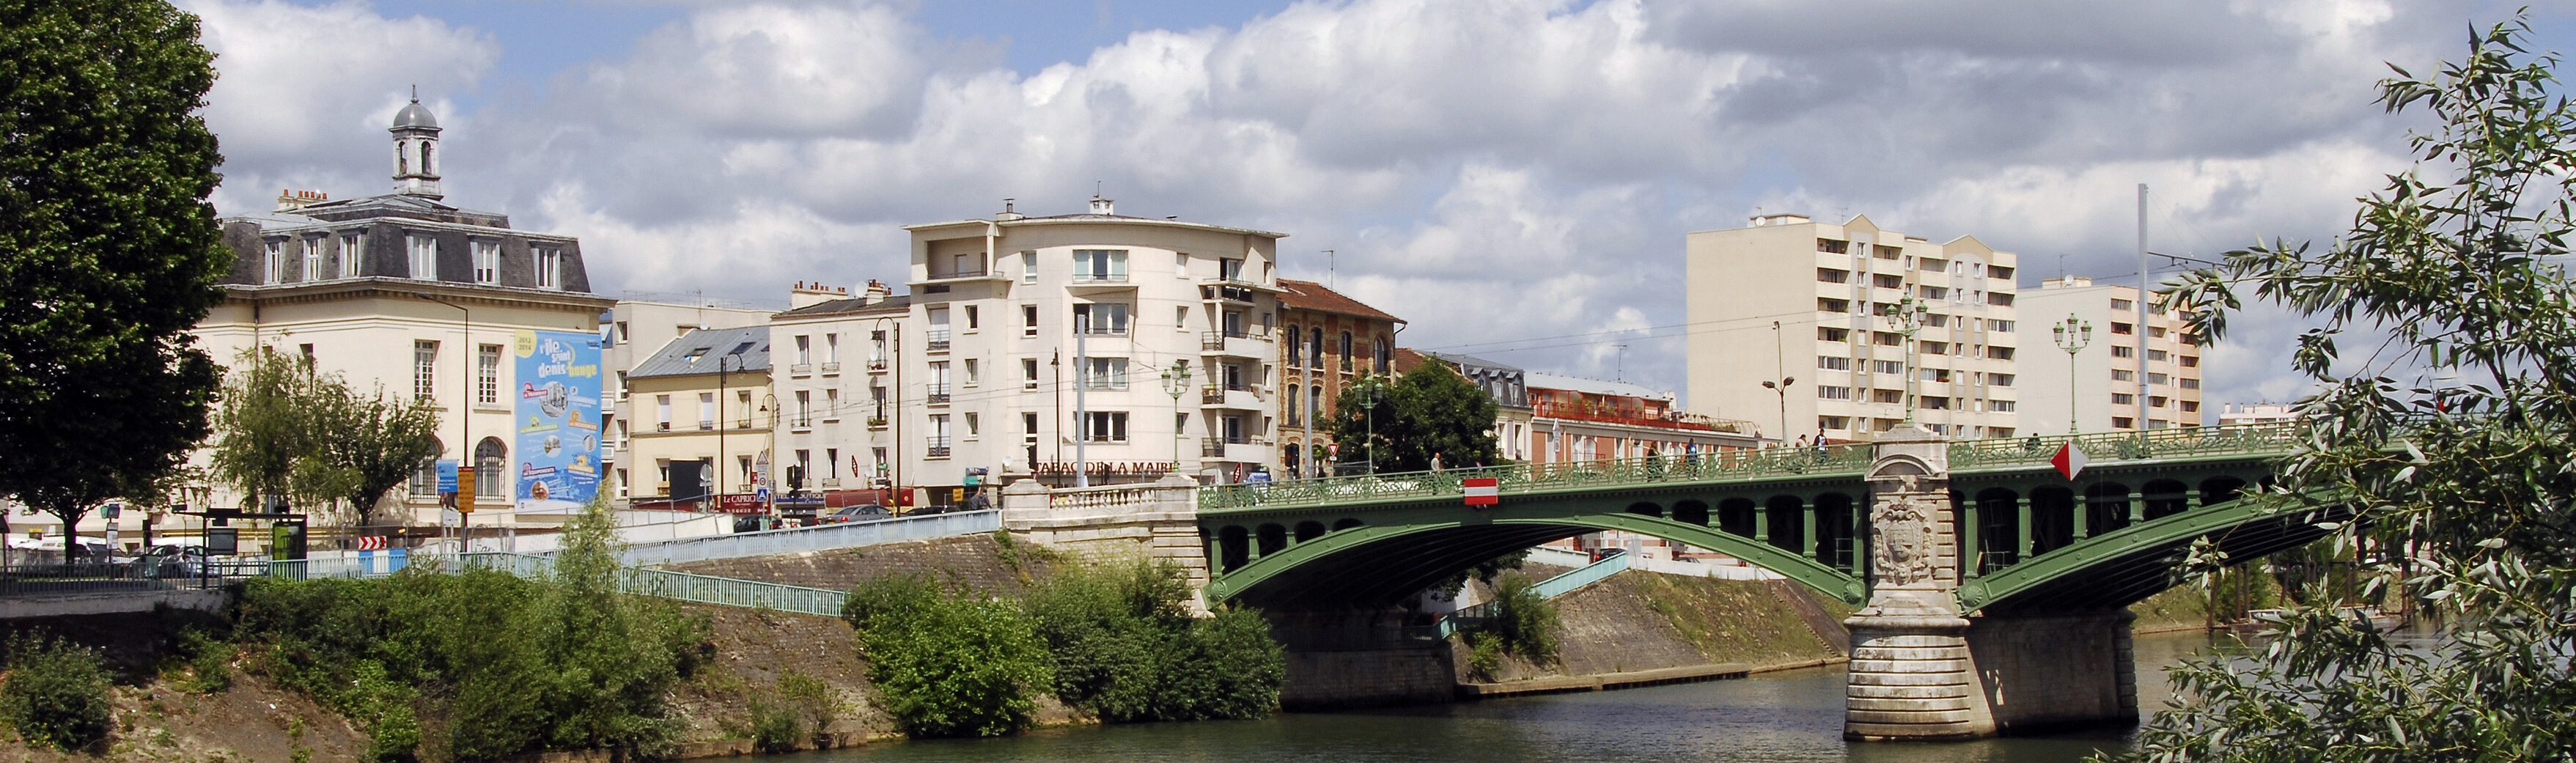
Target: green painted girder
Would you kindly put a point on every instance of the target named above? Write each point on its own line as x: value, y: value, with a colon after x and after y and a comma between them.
x: 2146, y: 548
x: 1385, y: 539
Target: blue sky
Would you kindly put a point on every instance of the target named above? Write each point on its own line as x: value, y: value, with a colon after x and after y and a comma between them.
x: 1491, y: 170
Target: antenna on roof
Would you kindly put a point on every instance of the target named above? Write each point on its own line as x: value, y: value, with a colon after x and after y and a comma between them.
x: 1619, y: 368
x: 415, y: 92
x: 1330, y: 260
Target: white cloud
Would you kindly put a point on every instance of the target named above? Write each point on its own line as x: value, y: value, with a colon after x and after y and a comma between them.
x: 1516, y: 169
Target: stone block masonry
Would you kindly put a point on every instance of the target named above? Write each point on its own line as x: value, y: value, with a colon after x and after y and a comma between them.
x: 2038, y: 672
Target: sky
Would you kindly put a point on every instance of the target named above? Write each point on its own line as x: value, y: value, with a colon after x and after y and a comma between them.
x: 1513, y: 177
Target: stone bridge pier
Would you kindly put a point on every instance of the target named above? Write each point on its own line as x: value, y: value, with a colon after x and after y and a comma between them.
x: 1923, y: 670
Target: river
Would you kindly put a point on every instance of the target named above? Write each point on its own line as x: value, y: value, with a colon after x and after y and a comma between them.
x: 1787, y: 716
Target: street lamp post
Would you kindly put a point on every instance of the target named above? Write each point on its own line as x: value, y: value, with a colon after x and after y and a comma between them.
x: 1369, y: 396
x: 1176, y: 382
x: 1783, y: 389
x: 1909, y: 320
x: 2072, y: 336
x: 465, y: 458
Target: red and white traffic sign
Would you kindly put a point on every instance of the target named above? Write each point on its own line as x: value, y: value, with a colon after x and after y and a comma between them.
x: 371, y: 543
x: 2069, y: 460
x: 1482, y: 491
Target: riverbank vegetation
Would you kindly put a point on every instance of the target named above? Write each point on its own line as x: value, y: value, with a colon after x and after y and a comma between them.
x: 477, y: 664
x: 56, y: 694
x: 2449, y: 443
x: 1520, y: 623
x: 1116, y: 641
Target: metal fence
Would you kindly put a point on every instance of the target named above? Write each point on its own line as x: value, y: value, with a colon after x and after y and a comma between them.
x: 1550, y: 588
x: 681, y: 586
x: 817, y: 538
x: 2163, y: 444
x: 1517, y: 478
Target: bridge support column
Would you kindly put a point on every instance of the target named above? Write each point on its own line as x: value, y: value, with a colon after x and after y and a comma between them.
x: 1912, y: 676
x: 1156, y: 521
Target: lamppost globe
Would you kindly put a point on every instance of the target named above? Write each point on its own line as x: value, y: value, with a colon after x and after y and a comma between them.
x: 2072, y: 336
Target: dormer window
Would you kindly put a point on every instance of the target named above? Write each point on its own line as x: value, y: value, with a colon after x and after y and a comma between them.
x: 353, y: 246
x: 312, y: 259
x: 487, y: 262
x: 549, y: 269
x: 272, y: 262
x: 424, y: 257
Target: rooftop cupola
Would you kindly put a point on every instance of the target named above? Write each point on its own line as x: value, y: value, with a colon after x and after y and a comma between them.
x: 415, y: 134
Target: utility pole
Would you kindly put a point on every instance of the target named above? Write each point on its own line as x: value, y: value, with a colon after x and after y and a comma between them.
x: 2072, y: 336
x: 2140, y: 336
x: 1176, y: 382
x: 1081, y: 414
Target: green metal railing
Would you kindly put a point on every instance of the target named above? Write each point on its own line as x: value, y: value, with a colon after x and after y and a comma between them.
x: 2181, y: 443
x: 1550, y: 588
x: 1522, y: 478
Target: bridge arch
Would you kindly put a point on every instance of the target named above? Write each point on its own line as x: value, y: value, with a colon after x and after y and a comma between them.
x: 2164, y: 498
x: 1691, y: 512
x: 1309, y: 530
x: 1271, y: 538
x: 1232, y: 549
x: 2106, y: 508
x: 1787, y: 517
x: 1646, y: 508
x: 1362, y: 568
x: 2052, y: 518
x: 1735, y: 517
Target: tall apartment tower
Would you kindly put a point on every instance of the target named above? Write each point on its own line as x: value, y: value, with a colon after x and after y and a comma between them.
x: 1788, y: 297
x: 2105, y: 373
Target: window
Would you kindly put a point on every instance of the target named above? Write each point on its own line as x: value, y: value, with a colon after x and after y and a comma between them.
x: 1935, y: 320
x: 2156, y: 331
x: 974, y: 372
x: 1886, y: 367
x: 1099, y: 264
x: 1931, y: 264
x: 2123, y: 328
x: 2120, y: 351
x: 424, y: 480
x: 1887, y: 338
x: 312, y: 260
x: 1833, y: 393
x: 1885, y: 252
x: 2155, y: 401
x: 1383, y: 352
x: 1931, y: 292
x: 2158, y: 379
x: 1028, y: 320
x: 1936, y: 375
x: 804, y: 350
x: 1314, y: 348
x: 1105, y: 426
x: 1929, y: 347
x: 974, y: 318
x: 937, y: 438
x: 1230, y: 270
x: 487, y: 262
x: 1833, y: 275
x: 1833, y: 246
x: 1028, y: 267
x: 1888, y: 281
x: 272, y: 262
x: 2123, y: 398
x: 831, y: 405
x: 2000, y: 380
x: 1294, y: 347
x: 832, y: 349
x: 1831, y: 363
x: 1933, y: 403
x: 662, y: 413
x: 804, y: 408
x: 2000, y: 406
x: 974, y: 426
x: 832, y: 464
x: 1315, y: 403
x: 353, y: 249
x: 2190, y: 384
x: 1105, y: 373
x: 938, y: 333
x: 706, y: 410
x: 1999, y: 298
x: 2122, y: 304
x: 2190, y: 361
x: 487, y: 375
x: 2123, y: 375
x: 2155, y: 355
x: 2191, y: 406
x: 742, y: 401
x: 1833, y: 422
x: 424, y: 257
x: 1828, y: 305
x: 1100, y: 318
x: 1999, y: 353
x: 549, y: 268
x: 1346, y: 350
x: 939, y: 383
x: 1181, y: 264
x: 424, y: 370
x: 1999, y: 271
x: 1827, y: 334
x: 1293, y: 400
x: 1028, y: 373
x: 1887, y: 396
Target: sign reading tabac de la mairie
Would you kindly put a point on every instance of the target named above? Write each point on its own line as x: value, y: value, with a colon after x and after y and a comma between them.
x: 558, y: 420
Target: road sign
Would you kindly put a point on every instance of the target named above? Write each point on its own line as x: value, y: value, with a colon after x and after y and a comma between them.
x: 371, y: 543
x: 761, y: 495
x: 2069, y: 461
x: 465, y: 490
x: 1482, y: 491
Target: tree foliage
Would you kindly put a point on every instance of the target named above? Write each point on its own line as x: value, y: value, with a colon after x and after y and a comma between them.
x: 1428, y: 411
x: 107, y: 244
x: 1127, y: 650
x: 948, y: 664
x: 56, y: 693
x: 290, y: 431
x: 2460, y: 482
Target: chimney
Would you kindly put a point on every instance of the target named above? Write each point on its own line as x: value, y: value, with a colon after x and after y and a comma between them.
x: 1101, y: 206
x: 810, y: 294
x: 1008, y: 214
x: 877, y: 292
x: 291, y: 200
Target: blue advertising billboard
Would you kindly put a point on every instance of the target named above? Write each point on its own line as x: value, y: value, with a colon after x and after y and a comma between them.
x: 558, y: 417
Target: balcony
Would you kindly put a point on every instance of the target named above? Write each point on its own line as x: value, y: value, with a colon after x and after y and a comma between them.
x: 1238, y: 448
x: 1243, y: 397
x: 1228, y: 293
x: 939, y: 394
x: 1252, y: 342
x: 938, y: 340
x: 705, y: 425
x: 938, y: 447
x: 961, y: 276
x: 1636, y: 417
x: 832, y: 368
x: 831, y: 482
x: 800, y: 369
x: 876, y: 365
x: 877, y: 422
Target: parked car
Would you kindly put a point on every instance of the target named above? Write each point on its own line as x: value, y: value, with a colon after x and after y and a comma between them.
x: 172, y: 561
x: 1599, y: 554
x: 860, y: 513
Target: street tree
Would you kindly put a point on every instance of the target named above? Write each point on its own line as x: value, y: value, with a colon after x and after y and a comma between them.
x: 268, y: 423
x: 2460, y: 484
x: 1428, y: 411
x: 370, y: 444
x: 108, y: 245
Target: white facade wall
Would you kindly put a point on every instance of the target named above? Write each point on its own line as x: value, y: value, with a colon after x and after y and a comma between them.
x: 642, y: 328
x: 2105, y: 384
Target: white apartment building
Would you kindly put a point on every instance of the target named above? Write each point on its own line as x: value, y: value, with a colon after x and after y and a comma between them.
x: 1791, y: 298
x: 840, y: 388
x: 2104, y: 391
x: 1030, y: 344
x: 639, y: 329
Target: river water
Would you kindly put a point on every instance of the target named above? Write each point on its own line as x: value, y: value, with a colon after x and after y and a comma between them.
x: 1787, y: 716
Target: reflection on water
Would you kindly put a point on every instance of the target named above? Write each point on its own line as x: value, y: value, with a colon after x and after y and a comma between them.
x: 1791, y: 716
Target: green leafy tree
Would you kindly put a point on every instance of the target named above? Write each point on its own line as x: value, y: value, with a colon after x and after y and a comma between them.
x: 372, y: 444
x: 1429, y: 411
x: 2460, y: 264
x: 270, y: 424
x: 56, y: 693
x: 107, y: 243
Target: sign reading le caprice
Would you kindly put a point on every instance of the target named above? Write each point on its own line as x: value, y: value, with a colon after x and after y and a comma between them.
x: 558, y: 420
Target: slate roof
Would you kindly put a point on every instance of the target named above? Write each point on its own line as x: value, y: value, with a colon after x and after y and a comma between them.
x: 897, y: 305
x: 1309, y: 295
x: 700, y: 352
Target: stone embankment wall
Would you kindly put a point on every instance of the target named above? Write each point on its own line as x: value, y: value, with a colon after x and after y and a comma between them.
x: 1638, y: 620
x: 976, y: 561
x: 2039, y: 672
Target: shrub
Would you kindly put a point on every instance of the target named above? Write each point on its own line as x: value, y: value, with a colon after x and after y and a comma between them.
x: 773, y: 726
x: 962, y: 667
x: 210, y: 663
x: 1523, y: 622
x: 1484, y: 654
x: 1125, y: 648
x: 56, y: 694
x: 817, y: 704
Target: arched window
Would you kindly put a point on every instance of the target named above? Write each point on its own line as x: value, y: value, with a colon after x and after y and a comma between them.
x: 1293, y: 354
x: 426, y: 166
x: 1346, y: 350
x: 1382, y: 351
x: 1315, y: 349
x: 489, y: 455
x: 1293, y: 402
x: 1315, y: 403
